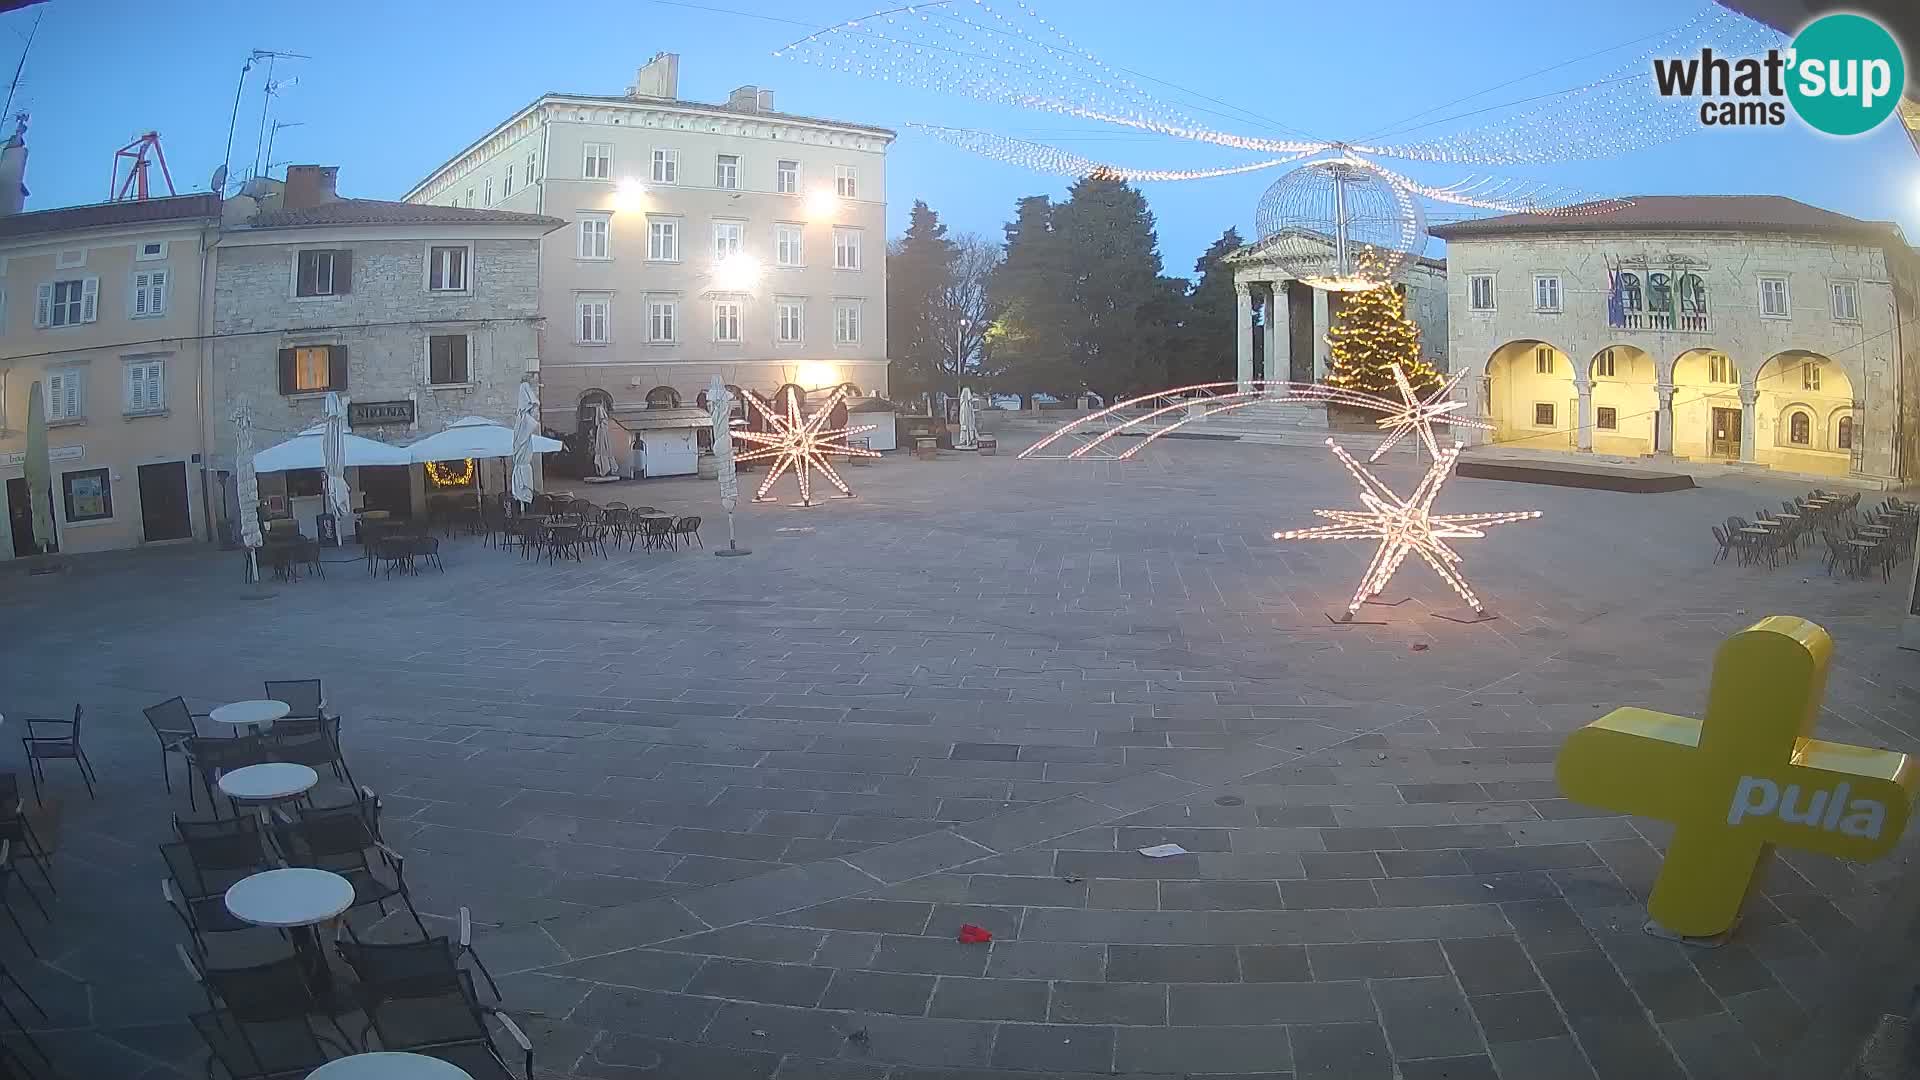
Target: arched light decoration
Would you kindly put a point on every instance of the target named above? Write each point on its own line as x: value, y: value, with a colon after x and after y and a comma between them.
x: 1404, y: 526
x: 794, y: 441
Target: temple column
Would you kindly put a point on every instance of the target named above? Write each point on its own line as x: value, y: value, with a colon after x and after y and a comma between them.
x: 1321, y: 324
x: 1278, y: 351
x: 1243, y: 331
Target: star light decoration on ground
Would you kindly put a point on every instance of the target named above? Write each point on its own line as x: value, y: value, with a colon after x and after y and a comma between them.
x: 1416, y: 417
x: 801, y: 443
x: 1405, y: 526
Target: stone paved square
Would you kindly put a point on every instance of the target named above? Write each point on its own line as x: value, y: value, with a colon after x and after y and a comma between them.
x: 723, y: 818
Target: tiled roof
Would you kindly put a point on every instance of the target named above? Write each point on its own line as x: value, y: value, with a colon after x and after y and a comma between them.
x: 1691, y: 213
x: 100, y: 215
x: 381, y: 212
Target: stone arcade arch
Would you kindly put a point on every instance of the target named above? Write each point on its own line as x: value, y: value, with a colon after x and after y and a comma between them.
x: 1801, y: 401
x: 1530, y: 396
x: 1626, y: 401
x: 1708, y: 407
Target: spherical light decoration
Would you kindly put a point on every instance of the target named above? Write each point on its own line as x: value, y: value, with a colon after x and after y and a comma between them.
x: 1341, y: 225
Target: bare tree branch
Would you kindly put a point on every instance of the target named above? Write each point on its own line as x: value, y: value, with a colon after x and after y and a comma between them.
x: 962, y: 318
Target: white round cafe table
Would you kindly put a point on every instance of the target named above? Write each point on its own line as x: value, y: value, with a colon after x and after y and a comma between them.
x: 265, y: 783
x: 298, y: 896
x: 249, y: 713
x: 389, y: 1066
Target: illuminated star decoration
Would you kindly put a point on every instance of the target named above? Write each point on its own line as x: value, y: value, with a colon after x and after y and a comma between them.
x: 1403, y: 526
x: 1418, y: 414
x: 801, y: 443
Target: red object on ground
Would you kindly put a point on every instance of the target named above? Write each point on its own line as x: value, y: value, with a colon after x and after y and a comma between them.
x: 974, y: 935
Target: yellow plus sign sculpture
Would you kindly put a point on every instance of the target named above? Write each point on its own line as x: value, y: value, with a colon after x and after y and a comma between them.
x: 1744, y: 779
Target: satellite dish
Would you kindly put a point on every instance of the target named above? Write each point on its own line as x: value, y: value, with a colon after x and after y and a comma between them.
x: 218, y: 185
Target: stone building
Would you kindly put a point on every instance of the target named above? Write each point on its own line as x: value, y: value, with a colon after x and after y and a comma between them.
x: 1748, y: 328
x: 99, y: 305
x: 704, y: 239
x: 1293, y: 317
x: 417, y: 315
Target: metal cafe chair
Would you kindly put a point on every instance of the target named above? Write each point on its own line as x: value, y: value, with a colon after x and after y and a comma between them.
x: 62, y: 742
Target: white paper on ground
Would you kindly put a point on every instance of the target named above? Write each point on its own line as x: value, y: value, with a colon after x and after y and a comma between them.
x: 1161, y: 851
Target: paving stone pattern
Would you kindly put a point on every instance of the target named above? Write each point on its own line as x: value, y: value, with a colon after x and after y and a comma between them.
x: 722, y: 818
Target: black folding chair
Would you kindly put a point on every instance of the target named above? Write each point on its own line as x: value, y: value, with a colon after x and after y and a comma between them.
x: 62, y: 741
x: 284, y: 1049
x: 173, y: 724
x: 450, y: 1026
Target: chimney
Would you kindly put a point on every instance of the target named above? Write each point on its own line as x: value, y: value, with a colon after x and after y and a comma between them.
x: 13, y: 171
x: 660, y: 78
x: 763, y: 101
x: 309, y: 185
x: 743, y: 98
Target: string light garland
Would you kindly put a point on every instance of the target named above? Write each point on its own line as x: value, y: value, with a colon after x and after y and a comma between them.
x: 1418, y: 415
x: 1050, y: 159
x: 1405, y: 526
x: 443, y: 476
x: 801, y: 443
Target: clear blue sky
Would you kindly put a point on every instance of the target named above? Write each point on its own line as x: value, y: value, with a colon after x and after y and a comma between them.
x: 393, y: 89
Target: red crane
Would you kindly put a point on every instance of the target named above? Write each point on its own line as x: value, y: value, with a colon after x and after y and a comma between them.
x: 134, y: 187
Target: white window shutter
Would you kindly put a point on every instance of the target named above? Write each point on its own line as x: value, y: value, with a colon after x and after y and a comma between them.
x: 43, y: 306
x: 157, y: 287
x: 73, y: 393
x: 56, y: 388
x: 89, y: 299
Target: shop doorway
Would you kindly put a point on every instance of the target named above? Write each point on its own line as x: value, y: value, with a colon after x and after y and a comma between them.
x: 20, y: 518
x: 163, y: 502
x: 387, y: 487
x: 1725, y: 442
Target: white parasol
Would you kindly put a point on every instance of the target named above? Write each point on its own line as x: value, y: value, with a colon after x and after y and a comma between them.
x: 606, y: 460
x: 248, y: 483
x: 720, y: 411
x: 526, y: 421
x: 334, y: 449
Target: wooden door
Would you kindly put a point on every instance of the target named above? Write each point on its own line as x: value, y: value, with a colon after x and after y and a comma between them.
x: 163, y: 502
x: 1724, y: 436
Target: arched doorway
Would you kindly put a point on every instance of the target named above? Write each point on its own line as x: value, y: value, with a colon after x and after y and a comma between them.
x: 583, y: 418
x: 1625, y: 403
x: 1804, y: 409
x: 664, y: 397
x: 1530, y: 397
x: 1707, y: 421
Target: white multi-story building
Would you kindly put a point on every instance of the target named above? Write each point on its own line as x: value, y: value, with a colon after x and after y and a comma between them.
x: 703, y: 239
x: 1748, y: 328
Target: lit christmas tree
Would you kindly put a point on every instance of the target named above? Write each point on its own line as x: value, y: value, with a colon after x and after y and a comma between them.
x: 1369, y: 336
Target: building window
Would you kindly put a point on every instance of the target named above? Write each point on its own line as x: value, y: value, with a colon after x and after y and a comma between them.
x: 489, y: 191
x: 149, y: 293
x: 788, y: 249
x: 151, y: 250
x: 1546, y: 292
x: 846, y: 323
x: 846, y: 181
x: 790, y: 316
x: 1720, y: 369
x: 1846, y: 305
x: 786, y: 178
x: 1773, y: 298
x: 596, y: 234
x: 1543, y: 360
x: 1603, y: 364
x: 663, y: 240
x: 1799, y: 429
x: 666, y: 166
x: 326, y: 273
x: 447, y: 360
x: 1843, y: 434
x: 593, y: 319
x: 533, y: 159
x: 1479, y: 292
x: 1693, y: 302
x: 726, y: 320
x: 146, y: 386
x: 70, y: 259
x: 1628, y: 286
x: 310, y: 369
x: 1606, y: 418
x: 728, y: 237
x: 597, y: 161
x: 67, y: 303
x: 89, y: 495
x: 846, y: 249
x: 1810, y: 375
x: 66, y: 395
x: 1543, y: 414
x: 663, y: 317
x: 726, y: 172
x: 506, y: 183
x: 447, y: 268
x: 470, y: 202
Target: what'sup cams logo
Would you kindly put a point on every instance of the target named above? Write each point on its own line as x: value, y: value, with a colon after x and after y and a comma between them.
x: 1843, y: 74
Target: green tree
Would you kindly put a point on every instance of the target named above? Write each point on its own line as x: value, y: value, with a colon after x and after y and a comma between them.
x: 919, y: 265
x: 1084, y: 303
x: 1207, y: 351
x: 1370, y: 334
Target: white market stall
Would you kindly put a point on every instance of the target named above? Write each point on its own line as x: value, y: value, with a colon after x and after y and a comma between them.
x: 666, y: 440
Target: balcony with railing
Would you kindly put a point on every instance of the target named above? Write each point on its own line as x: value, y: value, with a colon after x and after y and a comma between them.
x: 1660, y: 301
x: 1686, y: 322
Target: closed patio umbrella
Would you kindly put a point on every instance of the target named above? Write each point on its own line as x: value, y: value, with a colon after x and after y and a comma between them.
x: 248, y: 484
x: 37, y: 470
x: 526, y: 421
x: 336, y: 455
x: 720, y: 411
x: 605, y: 463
